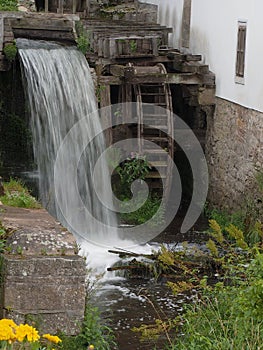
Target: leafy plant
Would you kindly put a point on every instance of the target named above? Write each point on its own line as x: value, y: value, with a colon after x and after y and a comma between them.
x: 83, y: 38
x: 10, y: 51
x: 133, y: 45
x: 228, y: 317
x: 134, y: 167
x: 94, y: 334
x: 8, y: 5
x: 2, y: 238
x: 145, y: 212
x: 101, y: 336
x: 17, y: 195
x: 248, y: 218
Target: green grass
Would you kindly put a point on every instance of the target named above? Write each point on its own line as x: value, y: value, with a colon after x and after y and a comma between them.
x: 2, y: 238
x: 93, y: 333
x: 8, y: 5
x: 227, y: 317
x: 17, y: 195
x: 145, y: 212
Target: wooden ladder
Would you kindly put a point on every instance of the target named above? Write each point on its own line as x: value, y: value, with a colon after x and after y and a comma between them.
x: 155, y: 124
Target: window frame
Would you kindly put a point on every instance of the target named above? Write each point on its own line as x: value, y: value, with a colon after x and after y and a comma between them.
x: 241, y: 52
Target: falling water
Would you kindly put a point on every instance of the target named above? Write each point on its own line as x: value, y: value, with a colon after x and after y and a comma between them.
x: 62, y: 102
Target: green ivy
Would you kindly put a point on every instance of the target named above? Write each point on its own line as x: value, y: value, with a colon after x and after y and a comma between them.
x: 8, y: 5
x: 10, y: 51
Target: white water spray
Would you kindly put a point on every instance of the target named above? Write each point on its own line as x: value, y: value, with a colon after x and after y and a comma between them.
x: 60, y: 92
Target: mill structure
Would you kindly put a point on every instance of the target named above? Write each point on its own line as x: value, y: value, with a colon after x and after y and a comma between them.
x: 132, y: 61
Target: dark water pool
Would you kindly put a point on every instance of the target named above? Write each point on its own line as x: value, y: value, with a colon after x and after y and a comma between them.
x: 128, y: 303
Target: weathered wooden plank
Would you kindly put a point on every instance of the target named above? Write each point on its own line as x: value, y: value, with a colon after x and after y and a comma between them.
x: 46, y: 5
x: 45, y: 34
x: 191, y: 57
x: 41, y: 27
x: 186, y: 21
x: 208, y: 79
x: 109, y: 80
x: 1, y: 32
x: 194, y: 67
x: 105, y: 113
x: 117, y: 70
x: 169, y: 78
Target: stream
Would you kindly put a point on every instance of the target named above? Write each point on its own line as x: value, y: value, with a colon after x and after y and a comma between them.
x: 127, y: 303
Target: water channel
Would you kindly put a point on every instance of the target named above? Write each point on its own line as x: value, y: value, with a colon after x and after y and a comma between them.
x: 125, y: 303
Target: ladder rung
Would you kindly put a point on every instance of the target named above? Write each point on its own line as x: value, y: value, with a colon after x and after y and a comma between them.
x: 155, y: 175
x: 155, y: 85
x: 155, y: 151
x: 152, y: 126
x: 155, y: 115
x: 152, y: 94
x: 155, y: 138
x: 158, y: 163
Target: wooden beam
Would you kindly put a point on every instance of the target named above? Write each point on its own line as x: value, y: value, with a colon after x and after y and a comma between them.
x: 185, y: 41
x: 105, y: 113
x: 169, y: 78
x: 60, y: 6
x: 74, y: 6
x: 46, y: 5
x: 109, y: 80
x: 1, y: 32
x: 117, y: 70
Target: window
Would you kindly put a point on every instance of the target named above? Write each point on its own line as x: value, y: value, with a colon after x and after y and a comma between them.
x: 241, y: 51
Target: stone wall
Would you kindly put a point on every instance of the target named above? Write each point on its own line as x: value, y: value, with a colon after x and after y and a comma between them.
x: 234, y: 148
x: 42, y: 279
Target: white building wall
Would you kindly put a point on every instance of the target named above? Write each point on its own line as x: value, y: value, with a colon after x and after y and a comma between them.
x: 214, y: 26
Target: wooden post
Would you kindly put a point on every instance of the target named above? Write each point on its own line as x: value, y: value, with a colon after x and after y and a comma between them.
x: 1, y: 32
x: 87, y: 9
x: 105, y: 101
x: 186, y: 21
x: 127, y: 95
x: 74, y: 6
x: 46, y: 5
x: 60, y: 6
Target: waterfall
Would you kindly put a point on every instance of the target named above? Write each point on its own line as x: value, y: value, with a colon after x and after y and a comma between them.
x: 63, y: 107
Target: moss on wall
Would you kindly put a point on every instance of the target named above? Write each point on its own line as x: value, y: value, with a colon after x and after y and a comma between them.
x: 15, y: 135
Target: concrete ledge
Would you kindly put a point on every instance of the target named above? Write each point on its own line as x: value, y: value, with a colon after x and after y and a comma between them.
x: 45, y: 288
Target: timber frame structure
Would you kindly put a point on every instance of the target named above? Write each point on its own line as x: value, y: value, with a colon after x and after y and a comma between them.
x: 133, y: 62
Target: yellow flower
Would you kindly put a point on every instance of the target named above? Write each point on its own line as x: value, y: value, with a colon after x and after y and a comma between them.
x: 7, y: 330
x: 25, y: 331
x: 52, y: 338
x: 91, y: 347
x: 8, y: 322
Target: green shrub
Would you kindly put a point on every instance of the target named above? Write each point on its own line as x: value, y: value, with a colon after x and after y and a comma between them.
x: 2, y: 238
x: 249, y: 218
x: 17, y: 195
x: 83, y: 38
x: 10, y: 51
x: 8, y: 5
x: 93, y: 333
x: 145, y: 212
x: 133, y: 168
x: 228, y: 317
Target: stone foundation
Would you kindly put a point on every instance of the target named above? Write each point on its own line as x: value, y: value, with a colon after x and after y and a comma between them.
x: 42, y: 277
x: 234, y: 148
